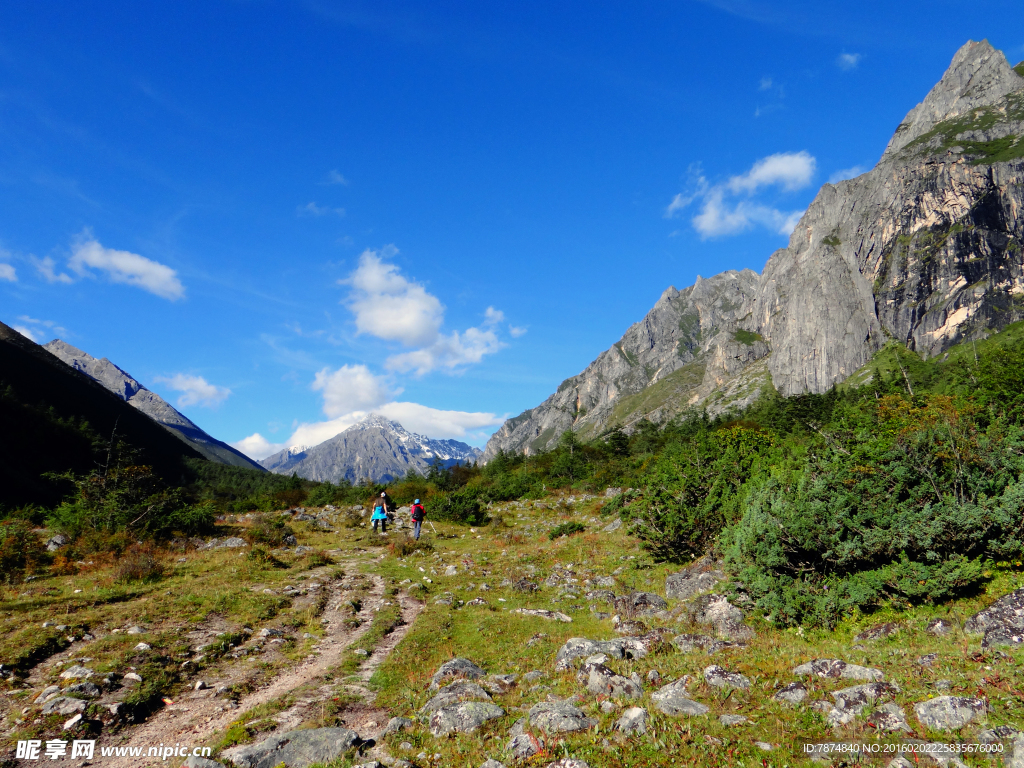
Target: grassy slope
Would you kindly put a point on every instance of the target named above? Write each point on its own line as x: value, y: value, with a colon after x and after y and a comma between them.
x: 222, y: 587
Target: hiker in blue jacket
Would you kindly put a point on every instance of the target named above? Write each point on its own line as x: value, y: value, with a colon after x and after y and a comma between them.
x: 380, y: 512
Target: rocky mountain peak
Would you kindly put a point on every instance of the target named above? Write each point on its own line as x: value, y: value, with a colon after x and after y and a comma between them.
x: 978, y: 76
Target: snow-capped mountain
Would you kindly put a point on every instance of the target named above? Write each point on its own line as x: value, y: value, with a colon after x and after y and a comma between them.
x: 375, y: 448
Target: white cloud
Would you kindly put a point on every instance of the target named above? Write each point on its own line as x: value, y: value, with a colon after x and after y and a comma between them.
x: 719, y: 215
x: 515, y: 332
x: 312, y: 209
x: 46, y: 268
x: 336, y: 178
x: 7, y: 271
x: 195, y: 390
x: 493, y: 316
x: 28, y: 333
x: 257, y: 447
x: 789, y: 170
x: 846, y: 173
x: 448, y: 352
x: 125, y: 267
x: 351, y: 388
x: 389, y: 306
x: 766, y: 83
x: 848, y: 61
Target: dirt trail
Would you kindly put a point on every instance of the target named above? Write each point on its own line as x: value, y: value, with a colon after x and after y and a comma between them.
x: 198, y: 715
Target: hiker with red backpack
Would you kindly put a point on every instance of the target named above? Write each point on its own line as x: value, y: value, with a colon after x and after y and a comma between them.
x: 418, y: 513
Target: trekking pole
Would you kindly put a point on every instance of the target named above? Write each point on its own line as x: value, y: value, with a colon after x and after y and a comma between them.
x: 432, y: 527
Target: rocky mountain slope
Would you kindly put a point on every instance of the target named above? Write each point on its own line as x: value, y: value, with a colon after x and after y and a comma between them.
x: 376, y: 448
x: 925, y: 248
x: 44, y: 405
x: 131, y: 391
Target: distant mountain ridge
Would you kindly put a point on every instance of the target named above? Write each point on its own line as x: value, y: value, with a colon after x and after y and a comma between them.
x: 927, y: 249
x: 125, y: 386
x: 376, y: 448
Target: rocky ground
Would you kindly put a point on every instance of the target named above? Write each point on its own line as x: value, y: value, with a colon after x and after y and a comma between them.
x: 494, y: 646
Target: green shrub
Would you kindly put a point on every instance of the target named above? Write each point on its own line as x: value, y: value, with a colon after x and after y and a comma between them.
x: 459, y: 506
x: 138, y: 564
x: 20, y: 550
x: 566, y: 529
x: 270, y: 530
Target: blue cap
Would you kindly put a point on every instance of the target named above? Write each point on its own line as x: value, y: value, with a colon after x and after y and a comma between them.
x: 417, y: 501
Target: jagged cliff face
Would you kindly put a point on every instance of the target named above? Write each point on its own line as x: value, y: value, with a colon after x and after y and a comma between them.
x: 924, y: 249
x: 686, y: 345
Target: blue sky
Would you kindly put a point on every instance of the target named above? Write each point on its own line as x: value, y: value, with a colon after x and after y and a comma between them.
x: 283, y: 215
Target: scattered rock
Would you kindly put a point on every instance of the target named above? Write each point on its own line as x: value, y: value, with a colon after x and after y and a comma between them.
x: 84, y: 689
x: 601, y: 595
x: 836, y: 668
x: 640, y: 604
x: 580, y: 648
x: 699, y: 577
x: 457, y: 667
x: 633, y: 720
x: 232, y: 542
x: 463, y: 717
x: 601, y: 680
x: 296, y: 749
x: 559, y: 717
x: 451, y: 570
x: 200, y: 685
x: 477, y: 601
x: 794, y: 693
x: 879, y: 631
x: 729, y: 720
x: 73, y: 722
x: 77, y: 672
x: 57, y: 541
x: 653, y: 676
x: 568, y: 762
x: 764, y: 745
x: 48, y: 691
x: 939, y: 627
x: 271, y: 632
x: 550, y: 615
x: 136, y: 630
x: 889, y: 717
x: 613, y: 526
x: 720, y: 678
x: 947, y: 713
x: 611, y: 493
x: 536, y: 674
x: 523, y: 746
x: 201, y: 762
x: 143, y: 647
x: 928, y: 659
x: 63, y: 705
x: 1002, y: 622
x: 133, y: 677
x: 523, y: 585
x: 850, y: 702
x: 607, y: 706
x: 499, y: 683
x: 492, y: 763
x: 397, y: 725
x: 672, y: 700
x: 999, y: 733
x: 726, y: 618
x: 630, y: 627
x: 690, y: 643
x: 450, y: 695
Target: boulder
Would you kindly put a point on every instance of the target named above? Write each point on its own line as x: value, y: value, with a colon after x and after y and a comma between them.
x: 630, y: 627
x: 940, y: 627
x: 640, y: 604
x: 837, y: 668
x: 397, y: 725
x: 633, y: 720
x: 76, y: 672
x: 57, y: 541
x: 1015, y: 753
x: 731, y: 720
x: 580, y: 648
x: 63, y: 705
x: 889, y: 717
x: 568, y: 762
x: 690, y: 643
x: 850, y: 702
x: 673, y: 700
x: 460, y: 690
x: 879, y: 631
x: 613, y: 526
x: 84, y: 689
x: 601, y: 595
x: 698, y: 578
x: 522, y: 747
x: 794, y: 693
x: 194, y: 761
x: 726, y: 618
x: 491, y: 763
x: 463, y: 717
x: 559, y: 717
x: 1002, y: 622
x: 232, y: 542
x: 549, y: 615
x: 296, y: 749
x: 947, y: 713
x: 601, y: 680
x: 457, y: 667
x: 720, y: 678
